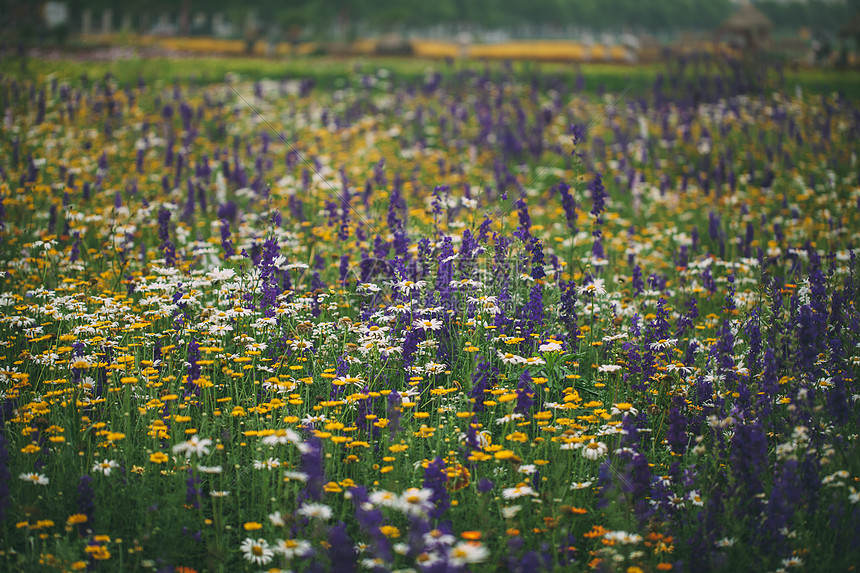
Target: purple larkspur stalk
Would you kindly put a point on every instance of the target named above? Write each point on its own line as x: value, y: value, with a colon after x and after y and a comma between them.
x: 445, y: 273
x: 269, y: 284
x: 636, y: 281
x: 786, y: 494
x: 410, y: 345
x: 86, y: 504
x: 598, y: 199
x: 605, y: 486
x: 226, y: 242
x: 723, y: 352
x: 523, y: 232
x: 533, y: 313
x: 483, y: 379
x: 748, y: 461
x: 341, y: 551
x: 752, y: 328
x: 471, y: 441
x: 343, y: 271
x: 730, y: 293
x: 567, y: 308
x: 436, y: 480
x: 312, y: 465
x: 370, y: 519
x: 676, y: 435
x: 164, y: 235
x: 569, y: 205
x: 76, y: 247
x: 484, y: 230
x: 485, y: 485
x: 365, y: 409
x: 437, y: 204
x: 341, y: 370
x: 525, y: 394
x: 535, y: 249
x: 713, y: 226
x: 393, y: 413
x: 190, y: 201
x: 192, y: 492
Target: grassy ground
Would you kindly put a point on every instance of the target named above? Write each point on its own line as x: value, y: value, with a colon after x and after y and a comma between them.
x: 329, y: 72
x: 325, y: 70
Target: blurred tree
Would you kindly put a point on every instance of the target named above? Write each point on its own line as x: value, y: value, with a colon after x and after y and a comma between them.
x: 343, y: 16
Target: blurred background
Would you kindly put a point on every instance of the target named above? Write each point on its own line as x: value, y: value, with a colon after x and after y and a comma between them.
x: 804, y: 32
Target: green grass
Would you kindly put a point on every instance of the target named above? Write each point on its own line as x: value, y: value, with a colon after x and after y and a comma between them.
x: 332, y: 72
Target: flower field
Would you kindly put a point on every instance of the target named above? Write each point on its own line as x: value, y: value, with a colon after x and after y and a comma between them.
x: 481, y: 320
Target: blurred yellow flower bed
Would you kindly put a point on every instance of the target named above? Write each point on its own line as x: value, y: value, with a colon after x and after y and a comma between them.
x: 515, y: 50
x: 547, y: 51
x: 206, y: 45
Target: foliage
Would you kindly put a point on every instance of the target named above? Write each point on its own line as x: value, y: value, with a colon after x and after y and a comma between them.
x: 482, y: 320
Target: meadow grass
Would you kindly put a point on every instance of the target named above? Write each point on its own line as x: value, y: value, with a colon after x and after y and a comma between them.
x: 375, y: 316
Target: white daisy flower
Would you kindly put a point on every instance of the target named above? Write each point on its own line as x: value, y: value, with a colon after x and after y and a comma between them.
x: 467, y: 552
x: 194, y: 445
x: 608, y: 368
x: 383, y: 498
x: 416, y: 501
x: 594, y: 450
x: 315, y: 511
x: 428, y: 324
x: 290, y: 548
x: 580, y: 485
x: 35, y: 478
x: 256, y: 551
x: 105, y: 466
x: 282, y: 436
x: 519, y: 491
x: 511, y: 511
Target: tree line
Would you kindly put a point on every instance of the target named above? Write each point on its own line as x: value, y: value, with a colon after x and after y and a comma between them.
x: 653, y: 16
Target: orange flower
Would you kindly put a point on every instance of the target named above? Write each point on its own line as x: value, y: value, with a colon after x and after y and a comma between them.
x: 471, y: 535
x: 596, y: 531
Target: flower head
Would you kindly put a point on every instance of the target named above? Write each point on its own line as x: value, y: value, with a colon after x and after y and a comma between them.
x: 35, y: 478
x: 105, y: 466
x: 256, y: 551
x: 468, y: 552
x: 315, y: 511
x: 195, y: 445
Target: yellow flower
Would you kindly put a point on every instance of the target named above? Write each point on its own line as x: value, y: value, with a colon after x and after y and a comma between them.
x: 158, y: 457
x: 76, y: 518
x: 252, y: 526
x: 507, y: 455
x: 389, y: 531
x: 100, y: 553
